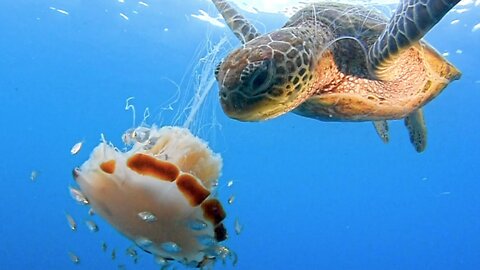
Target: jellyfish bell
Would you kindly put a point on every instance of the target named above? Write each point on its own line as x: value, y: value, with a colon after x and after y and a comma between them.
x: 159, y: 194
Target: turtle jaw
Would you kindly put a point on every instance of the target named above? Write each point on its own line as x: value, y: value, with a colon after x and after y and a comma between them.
x: 251, y: 109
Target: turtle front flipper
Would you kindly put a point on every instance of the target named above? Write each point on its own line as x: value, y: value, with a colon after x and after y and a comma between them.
x: 382, y: 130
x: 410, y: 22
x: 417, y: 130
x: 242, y: 29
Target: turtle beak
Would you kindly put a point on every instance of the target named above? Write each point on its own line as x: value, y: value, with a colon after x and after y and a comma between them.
x: 252, y: 109
x: 239, y: 107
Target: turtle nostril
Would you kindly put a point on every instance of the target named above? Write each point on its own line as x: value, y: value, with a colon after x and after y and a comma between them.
x: 223, y: 94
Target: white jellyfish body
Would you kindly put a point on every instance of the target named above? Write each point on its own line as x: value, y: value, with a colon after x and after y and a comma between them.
x: 159, y: 194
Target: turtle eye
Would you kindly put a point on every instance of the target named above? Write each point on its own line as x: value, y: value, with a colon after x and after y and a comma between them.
x: 259, y: 76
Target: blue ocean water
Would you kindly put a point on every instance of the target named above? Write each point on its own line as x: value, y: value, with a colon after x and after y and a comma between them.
x: 309, y: 194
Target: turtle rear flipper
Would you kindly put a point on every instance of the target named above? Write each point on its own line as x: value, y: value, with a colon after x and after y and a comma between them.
x: 381, y: 127
x: 243, y: 30
x: 417, y: 130
x: 410, y: 22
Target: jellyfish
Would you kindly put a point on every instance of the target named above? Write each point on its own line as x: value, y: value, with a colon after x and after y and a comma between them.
x: 159, y: 193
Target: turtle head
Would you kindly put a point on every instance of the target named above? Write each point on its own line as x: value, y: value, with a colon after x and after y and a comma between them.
x: 267, y: 77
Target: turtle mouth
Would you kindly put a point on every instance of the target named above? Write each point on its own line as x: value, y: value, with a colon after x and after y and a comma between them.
x: 238, y: 106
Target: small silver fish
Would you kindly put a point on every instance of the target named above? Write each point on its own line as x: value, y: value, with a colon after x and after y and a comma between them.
x: 160, y: 260
x: 76, y: 148
x: 127, y: 137
x: 131, y: 252
x: 33, y: 175
x: 238, y: 227
x: 104, y: 246
x: 78, y: 196
x: 74, y: 258
x: 454, y: 22
x: 71, y: 222
x: 92, y: 226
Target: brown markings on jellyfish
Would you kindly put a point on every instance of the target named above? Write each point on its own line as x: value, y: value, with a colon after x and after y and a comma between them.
x: 150, y: 166
x: 220, y: 232
x: 108, y: 166
x: 192, y: 189
x: 213, y: 211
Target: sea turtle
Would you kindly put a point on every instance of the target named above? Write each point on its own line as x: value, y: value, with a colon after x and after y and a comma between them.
x: 338, y: 62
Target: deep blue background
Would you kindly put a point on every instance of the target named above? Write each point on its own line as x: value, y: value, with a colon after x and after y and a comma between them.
x: 310, y: 195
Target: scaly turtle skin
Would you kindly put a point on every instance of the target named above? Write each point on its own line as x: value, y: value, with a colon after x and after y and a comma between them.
x: 338, y: 62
